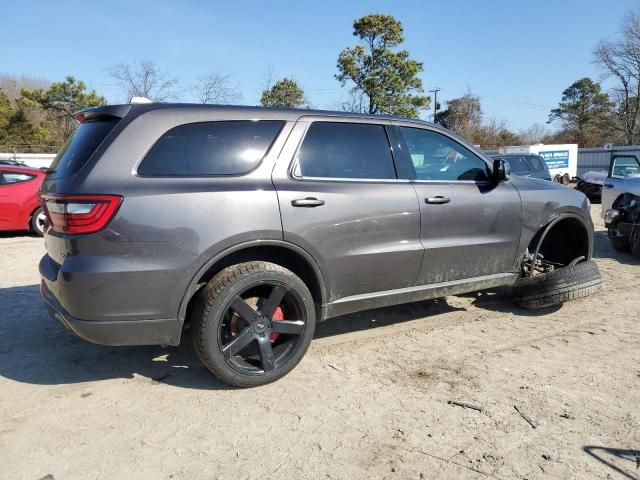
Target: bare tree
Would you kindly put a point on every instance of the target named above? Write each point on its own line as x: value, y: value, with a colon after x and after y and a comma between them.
x: 536, y: 133
x: 619, y: 59
x: 463, y: 115
x: 356, y: 102
x: 145, y: 79
x: 493, y: 133
x: 12, y: 85
x: 217, y: 88
x: 269, y: 77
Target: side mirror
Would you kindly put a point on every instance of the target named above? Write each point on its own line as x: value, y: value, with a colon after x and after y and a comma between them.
x: 501, y: 170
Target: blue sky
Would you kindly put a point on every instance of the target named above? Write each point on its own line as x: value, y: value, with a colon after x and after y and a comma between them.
x: 517, y: 56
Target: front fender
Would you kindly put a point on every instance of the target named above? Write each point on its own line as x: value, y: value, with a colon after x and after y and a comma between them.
x: 545, y: 202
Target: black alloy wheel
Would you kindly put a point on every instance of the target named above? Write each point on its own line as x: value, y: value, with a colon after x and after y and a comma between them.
x: 253, y: 323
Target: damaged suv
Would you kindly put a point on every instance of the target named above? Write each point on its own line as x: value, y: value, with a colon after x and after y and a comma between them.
x: 253, y: 224
x: 621, y: 203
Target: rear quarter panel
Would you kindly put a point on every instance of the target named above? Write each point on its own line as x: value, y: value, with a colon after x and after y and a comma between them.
x: 166, y: 228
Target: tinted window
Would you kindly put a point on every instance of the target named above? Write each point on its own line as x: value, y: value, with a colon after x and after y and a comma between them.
x: 80, y: 146
x: 536, y: 162
x: 625, y: 166
x: 437, y: 157
x: 211, y: 148
x: 518, y: 164
x: 12, y: 177
x: 346, y: 150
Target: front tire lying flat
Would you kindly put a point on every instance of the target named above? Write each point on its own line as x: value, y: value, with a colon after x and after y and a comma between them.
x: 253, y: 323
x: 558, y: 286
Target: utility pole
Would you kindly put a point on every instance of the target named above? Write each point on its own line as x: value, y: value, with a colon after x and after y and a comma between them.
x: 435, y: 102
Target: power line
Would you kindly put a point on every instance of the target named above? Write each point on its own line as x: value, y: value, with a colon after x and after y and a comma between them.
x: 539, y: 106
x: 435, y: 102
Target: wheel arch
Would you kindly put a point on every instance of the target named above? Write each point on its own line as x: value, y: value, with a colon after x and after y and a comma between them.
x: 283, y: 253
x: 562, y: 239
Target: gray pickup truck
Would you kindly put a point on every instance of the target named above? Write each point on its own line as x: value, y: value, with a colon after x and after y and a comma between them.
x: 621, y: 203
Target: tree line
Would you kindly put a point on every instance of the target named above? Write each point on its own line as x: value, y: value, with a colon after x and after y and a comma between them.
x: 382, y: 78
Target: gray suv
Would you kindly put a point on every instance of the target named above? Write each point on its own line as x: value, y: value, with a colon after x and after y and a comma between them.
x: 253, y: 224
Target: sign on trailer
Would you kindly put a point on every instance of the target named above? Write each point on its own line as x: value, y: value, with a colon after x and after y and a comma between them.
x: 561, y: 159
x: 556, y: 158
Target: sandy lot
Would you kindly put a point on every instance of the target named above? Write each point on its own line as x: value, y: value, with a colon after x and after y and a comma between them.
x: 370, y: 399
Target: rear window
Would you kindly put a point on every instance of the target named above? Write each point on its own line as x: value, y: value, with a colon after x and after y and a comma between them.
x: 211, y: 148
x: 81, y: 145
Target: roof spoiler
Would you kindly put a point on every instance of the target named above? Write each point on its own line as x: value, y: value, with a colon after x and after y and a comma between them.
x: 108, y: 111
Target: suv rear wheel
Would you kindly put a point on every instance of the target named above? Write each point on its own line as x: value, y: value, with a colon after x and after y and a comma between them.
x: 253, y: 323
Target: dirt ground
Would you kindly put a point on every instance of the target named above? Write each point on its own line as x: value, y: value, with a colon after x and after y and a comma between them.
x: 370, y: 399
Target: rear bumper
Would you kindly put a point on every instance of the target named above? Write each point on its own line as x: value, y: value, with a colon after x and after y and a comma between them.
x: 112, y: 332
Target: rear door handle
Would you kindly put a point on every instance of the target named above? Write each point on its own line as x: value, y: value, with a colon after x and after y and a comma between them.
x: 439, y: 200
x: 308, y: 202
x: 608, y: 185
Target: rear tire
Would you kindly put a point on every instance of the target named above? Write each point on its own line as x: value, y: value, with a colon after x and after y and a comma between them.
x: 558, y: 286
x: 238, y: 334
x: 621, y: 244
x: 37, y: 222
x: 634, y: 241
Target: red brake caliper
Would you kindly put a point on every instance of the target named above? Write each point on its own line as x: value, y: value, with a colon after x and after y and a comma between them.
x: 277, y: 315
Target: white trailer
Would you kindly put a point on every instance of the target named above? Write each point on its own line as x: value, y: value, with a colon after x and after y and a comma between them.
x: 562, y: 159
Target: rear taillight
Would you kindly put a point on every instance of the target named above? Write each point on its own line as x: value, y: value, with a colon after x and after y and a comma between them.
x: 79, y: 213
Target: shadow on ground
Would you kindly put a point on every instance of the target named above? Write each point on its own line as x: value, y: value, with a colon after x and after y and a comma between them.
x: 625, y: 462
x: 18, y: 234
x: 602, y: 249
x: 500, y: 300
x: 36, y: 349
x: 382, y: 317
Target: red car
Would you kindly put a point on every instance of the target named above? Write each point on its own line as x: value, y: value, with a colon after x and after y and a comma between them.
x: 19, y: 208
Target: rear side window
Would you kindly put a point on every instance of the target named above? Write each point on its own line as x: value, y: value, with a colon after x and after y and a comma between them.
x: 81, y: 145
x: 346, y: 150
x: 7, y: 178
x: 518, y: 164
x: 211, y: 148
x: 537, y: 164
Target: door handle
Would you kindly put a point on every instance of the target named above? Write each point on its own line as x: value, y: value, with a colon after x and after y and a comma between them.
x: 608, y: 185
x: 439, y: 200
x: 308, y: 202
